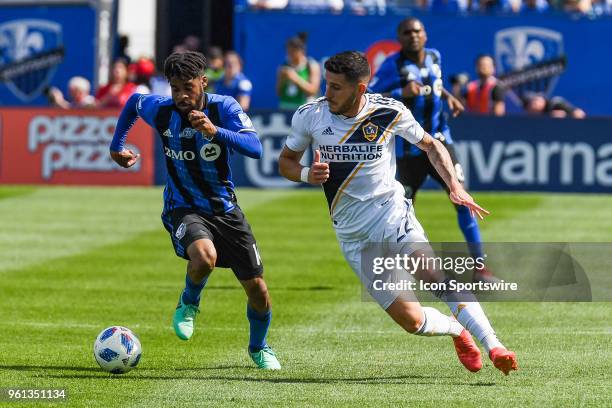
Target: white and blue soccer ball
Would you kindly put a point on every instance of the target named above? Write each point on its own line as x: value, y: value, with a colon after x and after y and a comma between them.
x: 117, y: 350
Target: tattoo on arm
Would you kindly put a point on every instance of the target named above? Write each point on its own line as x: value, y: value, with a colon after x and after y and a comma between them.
x: 441, y: 160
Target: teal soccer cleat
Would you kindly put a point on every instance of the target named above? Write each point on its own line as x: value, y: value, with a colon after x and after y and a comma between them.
x: 184, y: 319
x: 265, y: 359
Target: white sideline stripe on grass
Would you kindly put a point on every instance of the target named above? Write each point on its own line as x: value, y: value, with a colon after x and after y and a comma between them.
x: 281, y: 330
x: 56, y: 222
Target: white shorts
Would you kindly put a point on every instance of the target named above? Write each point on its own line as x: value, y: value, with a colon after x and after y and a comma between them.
x: 400, y: 226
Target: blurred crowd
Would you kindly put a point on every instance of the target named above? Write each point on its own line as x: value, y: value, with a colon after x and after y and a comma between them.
x: 298, y: 81
x: 486, y: 95
x: 590, y: 8
x: 127, y: 77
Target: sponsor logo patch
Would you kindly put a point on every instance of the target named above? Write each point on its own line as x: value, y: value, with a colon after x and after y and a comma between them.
x: 180, y: 232
x: 245, y: 120
x: 210, y: 152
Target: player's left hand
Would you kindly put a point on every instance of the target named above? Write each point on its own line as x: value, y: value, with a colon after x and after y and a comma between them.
x: 200, y: 121
x: 125, y: 158
x: 455, y: 105
x: 461, y: 197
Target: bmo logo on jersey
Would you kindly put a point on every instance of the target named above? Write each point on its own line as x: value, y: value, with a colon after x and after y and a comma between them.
x: 209, y: 152
x: 179, y: 155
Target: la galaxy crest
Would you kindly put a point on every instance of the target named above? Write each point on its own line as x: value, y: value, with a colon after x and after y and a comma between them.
x: 370, y: 131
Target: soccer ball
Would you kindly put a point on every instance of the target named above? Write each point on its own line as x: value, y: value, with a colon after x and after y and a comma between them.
x: 117, y: 350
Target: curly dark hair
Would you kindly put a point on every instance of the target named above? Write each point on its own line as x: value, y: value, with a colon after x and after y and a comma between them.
x: 353, y: 64
x: 185, y: 65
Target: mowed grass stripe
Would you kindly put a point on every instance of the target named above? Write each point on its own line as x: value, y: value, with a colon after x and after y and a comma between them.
x: 354, y: 354
x: 49, y: 223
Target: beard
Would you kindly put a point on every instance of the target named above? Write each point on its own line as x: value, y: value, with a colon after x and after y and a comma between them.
x: 199, y: 104
x: 346, y: 106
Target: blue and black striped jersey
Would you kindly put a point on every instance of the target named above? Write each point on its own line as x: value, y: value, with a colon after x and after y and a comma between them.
x: 428, y: 107
x: 199, y: 173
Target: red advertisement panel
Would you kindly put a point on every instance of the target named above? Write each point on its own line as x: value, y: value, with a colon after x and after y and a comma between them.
x: 52, y: 146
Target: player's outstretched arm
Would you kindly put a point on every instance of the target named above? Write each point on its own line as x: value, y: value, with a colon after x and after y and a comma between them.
x: 289, y: 167
x: 120, y: 155
x: 441, y: 160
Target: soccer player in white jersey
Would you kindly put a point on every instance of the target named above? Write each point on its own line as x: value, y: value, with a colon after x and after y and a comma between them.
x: 353, y: 134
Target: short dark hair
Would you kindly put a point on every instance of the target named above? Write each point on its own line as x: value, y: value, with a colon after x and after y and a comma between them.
x: 353, y: 64
x: 408, y: 20
x: 185, y: 65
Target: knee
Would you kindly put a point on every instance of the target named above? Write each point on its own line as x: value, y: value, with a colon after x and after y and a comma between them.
x: 203, y: 260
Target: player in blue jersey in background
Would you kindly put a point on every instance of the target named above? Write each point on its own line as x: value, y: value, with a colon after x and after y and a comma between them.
x: 199, y: 133
x: 414, y: 76
x: 233, y: 82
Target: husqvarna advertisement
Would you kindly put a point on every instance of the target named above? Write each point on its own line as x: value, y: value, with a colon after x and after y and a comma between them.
x: 503, y: 154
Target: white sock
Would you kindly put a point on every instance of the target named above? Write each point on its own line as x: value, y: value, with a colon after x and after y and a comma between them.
x: 438, y: 324
x: 472, y: 317
x: 490, y: 342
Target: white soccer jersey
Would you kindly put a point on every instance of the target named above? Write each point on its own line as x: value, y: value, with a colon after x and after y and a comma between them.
x: 361, y: 156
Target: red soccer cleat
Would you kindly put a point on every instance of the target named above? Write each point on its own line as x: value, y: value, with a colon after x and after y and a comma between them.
x: 504, y: 360
x: 467, y: 351
x: 485, y: 275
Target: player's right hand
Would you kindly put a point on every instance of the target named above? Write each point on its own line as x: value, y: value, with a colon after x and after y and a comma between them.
x: 412, y: 89
x: 125, y: 158
x: 461, y: 197
x: 319, y: 172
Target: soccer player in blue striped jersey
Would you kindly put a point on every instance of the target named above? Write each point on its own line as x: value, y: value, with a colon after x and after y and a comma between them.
x: 414, y: 76
x: 199, y: 132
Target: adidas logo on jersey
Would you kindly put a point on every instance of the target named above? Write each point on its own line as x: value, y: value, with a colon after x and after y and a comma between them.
x: 328, y: 131
x: 167, y: 133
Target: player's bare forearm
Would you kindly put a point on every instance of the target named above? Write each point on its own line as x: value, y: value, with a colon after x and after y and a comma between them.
x: 441, y: 160
x: 289, y: 164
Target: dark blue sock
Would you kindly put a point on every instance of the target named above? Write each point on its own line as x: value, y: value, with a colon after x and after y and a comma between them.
x: 471, y: 231
x: 259, y: 323
x: 191, y: 293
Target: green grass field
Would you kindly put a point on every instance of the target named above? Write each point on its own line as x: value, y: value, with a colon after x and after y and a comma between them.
x: 74, y: 261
